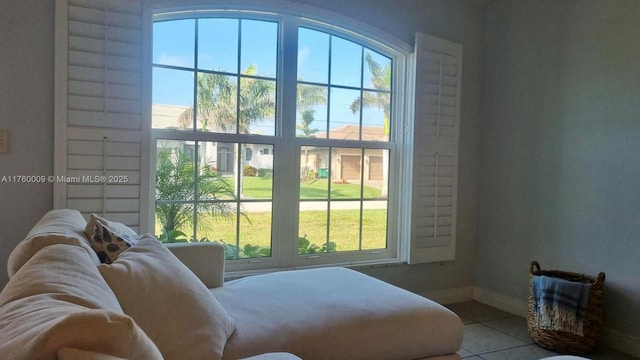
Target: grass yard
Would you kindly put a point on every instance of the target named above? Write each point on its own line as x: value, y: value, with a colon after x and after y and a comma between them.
x: 344, y: 228
x: 261, y: 188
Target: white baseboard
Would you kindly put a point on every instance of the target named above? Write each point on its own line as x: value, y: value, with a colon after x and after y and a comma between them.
x: 610, y: 338
x: 450, y: 296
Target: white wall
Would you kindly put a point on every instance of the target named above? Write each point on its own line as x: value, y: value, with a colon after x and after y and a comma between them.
x: 26, y: 109
x: 560, y: 150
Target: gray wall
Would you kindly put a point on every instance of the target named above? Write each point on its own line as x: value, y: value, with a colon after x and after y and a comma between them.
x: 560, y: 148
x: 26, y: 107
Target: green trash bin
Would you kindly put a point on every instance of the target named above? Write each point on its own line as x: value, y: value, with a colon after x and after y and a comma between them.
x: 323, y: 173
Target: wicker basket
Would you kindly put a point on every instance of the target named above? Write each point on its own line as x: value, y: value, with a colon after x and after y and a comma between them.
x: 565, y: 342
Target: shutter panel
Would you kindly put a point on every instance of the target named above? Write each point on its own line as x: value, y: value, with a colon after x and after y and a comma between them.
x: 99, y: 79
x: 435, y: 158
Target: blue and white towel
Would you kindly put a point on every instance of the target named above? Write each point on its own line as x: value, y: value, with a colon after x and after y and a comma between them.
x: 560, y: 304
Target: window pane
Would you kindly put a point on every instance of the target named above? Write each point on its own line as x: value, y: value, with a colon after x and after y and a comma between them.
x: 259, y: 46
x: 218, y: 45
x: 255, y: 229
x: 375, y: 116
x: 219, y: 228
x: 314, y: 172
x: 173, y: 43
x: 344, y: 116
x: 346, y: 62
x: 344, y: 226
x: 257, y: 106
x: 377, y: 73
x: 311, y: 111
x: 172, y: 98
x: 216, y: 180
x: 313, y: 56
x: 312, y: 227
x: 376, y: 173
x: 225, y: 161
x: 374, y: 225
x: 217, y: 99
x: 346, y: 164
x: 257, y: 179
x: 175, y: 191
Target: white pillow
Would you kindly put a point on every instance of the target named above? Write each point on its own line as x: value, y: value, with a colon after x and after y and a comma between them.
x: 59, y: 299
x: 168, y: 301
x: 63, y: 226
x: 63, y: 272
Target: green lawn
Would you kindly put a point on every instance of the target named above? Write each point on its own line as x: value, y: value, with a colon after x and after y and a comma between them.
x: 344, y: 228
x: 261, y: 188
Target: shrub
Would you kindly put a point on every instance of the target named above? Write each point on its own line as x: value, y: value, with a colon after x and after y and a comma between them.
x: 249, y: 171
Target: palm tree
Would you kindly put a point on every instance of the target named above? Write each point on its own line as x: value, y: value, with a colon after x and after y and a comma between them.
x: 381, y: 80
x: 221, y: 108
x: 308, y: 116
x: 307, y: 97
x: 176, y: 181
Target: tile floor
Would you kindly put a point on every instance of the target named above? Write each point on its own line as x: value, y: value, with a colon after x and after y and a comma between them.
x: 492, y: 334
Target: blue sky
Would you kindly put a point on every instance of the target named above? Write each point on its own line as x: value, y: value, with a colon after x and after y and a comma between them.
x: 218, y: 48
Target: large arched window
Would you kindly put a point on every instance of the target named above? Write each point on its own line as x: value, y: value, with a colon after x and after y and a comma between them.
x: 294, y: 140
x: 276, y: 136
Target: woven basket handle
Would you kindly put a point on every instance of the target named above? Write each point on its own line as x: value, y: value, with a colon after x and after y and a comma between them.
x: 600, y: 278
x: 534, y: 267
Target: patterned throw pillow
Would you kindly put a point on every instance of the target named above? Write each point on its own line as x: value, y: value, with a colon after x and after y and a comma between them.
x: 108, y: 244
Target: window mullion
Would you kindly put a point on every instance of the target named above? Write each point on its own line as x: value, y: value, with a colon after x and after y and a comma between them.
x: 286, y: 157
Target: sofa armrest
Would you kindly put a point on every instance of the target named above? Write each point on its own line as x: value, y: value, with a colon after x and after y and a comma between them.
x: 205, y: 259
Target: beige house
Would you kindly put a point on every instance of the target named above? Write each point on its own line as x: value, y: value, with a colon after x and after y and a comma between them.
x: 346, y: 163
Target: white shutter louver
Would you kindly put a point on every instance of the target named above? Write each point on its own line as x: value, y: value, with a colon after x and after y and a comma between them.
x: 435, y: 159
x: 99, y: 52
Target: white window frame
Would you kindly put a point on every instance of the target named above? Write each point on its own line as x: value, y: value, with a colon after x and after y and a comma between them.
x: 398, y: 207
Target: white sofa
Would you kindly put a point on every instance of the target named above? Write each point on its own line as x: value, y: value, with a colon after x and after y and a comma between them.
x: 62, y: 303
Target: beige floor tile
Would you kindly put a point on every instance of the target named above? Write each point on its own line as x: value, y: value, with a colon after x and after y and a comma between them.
x: 513, y: 326
x: 529, y: 352
x: 479, y: 339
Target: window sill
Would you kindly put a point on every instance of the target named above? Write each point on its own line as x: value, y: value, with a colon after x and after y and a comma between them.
x: 232, y: 275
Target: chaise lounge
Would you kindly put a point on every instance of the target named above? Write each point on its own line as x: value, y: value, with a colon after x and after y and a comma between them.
x: 62, y: 303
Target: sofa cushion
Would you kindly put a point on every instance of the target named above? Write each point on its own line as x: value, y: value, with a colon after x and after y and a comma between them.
x: 332, y: 314
x: 36, y: 328
x: 63, y: 226
x: 63, y: 272
x: 59, y: 299
x: 115, y: 226
x: 109, y: 244
x: 169, y: 302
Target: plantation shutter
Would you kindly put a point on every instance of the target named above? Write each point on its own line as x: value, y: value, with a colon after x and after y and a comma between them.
x: 435, y: 158
x: 98, y: 108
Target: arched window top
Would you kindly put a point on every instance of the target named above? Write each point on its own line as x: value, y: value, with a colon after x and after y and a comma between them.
x: 304, y: 15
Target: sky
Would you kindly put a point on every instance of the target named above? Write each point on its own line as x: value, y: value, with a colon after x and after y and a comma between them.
x: 219, y: 44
